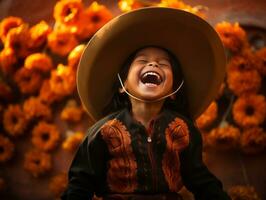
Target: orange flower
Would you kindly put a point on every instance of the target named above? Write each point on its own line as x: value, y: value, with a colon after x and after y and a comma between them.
x: 58, y: 184
x: 7, y: 149
x: 232, y: 35
x: 73, y: 141
x: 178, y: 4
x: 61, y: 42
x: 208, y: 117
x: 72, y: 112
x: 37, y: 162
x: 74, y: 56
x: 68, y: 11
x: 14, y: 120
x: 45, y: 136
x: 63, y: 80
x: 7, y: 24
x: 249, y: 110
x: 34, y: 108
x: 29, y: 81
x: 224, y: 138
x: 128, y: 5
x: 46, y: 94
x: 246, y: 82
x: 38, y: 61
x: 253, y: 140
x: 6, y: 92
x: 243, y: 193
x: 241, y: 63
x: 17, y: 39
x: 8, y: 60
x: 38, y: 35
x: 96, y: 16
x: 261, y: 65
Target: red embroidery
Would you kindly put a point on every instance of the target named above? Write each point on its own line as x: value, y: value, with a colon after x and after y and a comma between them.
x: 122, y: 171
x: 177, y: 138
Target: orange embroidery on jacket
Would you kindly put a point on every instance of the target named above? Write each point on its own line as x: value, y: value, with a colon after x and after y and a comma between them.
x: 177, y: 138
x: 122, y: 171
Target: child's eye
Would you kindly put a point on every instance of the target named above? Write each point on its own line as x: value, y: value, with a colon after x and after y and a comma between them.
x: 164, y: 64
x: 142, y: 61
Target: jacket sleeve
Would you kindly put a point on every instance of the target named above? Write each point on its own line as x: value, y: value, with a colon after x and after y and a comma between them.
x: 196, y: 176
x: 86, y: 171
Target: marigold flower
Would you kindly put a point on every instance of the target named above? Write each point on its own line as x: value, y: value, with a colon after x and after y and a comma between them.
x: 37, y: 162
x: 17, y: 39
x: 232, y: 35
x: 68, y: 11
x: 241, y: 63
x: 253, y: 140
x: 29, y: 81
x: 6, y: 149
x: 39, y: 61
x: 14, y: 120
x: 38, y: 35
x: 96, y: 16
x: 61, y: 42
x: 249, y: 110
x: 178, y: 4
x: 72, y: 112
x: 63, y: 80
x: 45, y: 136
x: 34, y: 108
x: 7, y: 24
x: 128, y: 5
x: 208, y: 116
x: 261, y: 64
x: 46, y: 94
x: 8, y: 60
x: 246, y: 82
x: 224, y: 138
x: 240, y: 192
x: 72, y: 142
x: 58, y: 184
x: 74, y: 56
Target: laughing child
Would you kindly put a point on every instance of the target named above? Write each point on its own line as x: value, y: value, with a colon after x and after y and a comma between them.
x: 145, y: 77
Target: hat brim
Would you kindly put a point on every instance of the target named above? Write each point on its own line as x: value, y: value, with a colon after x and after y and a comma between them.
x: 190, y: 38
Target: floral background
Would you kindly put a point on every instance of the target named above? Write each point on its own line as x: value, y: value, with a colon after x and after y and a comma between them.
x: 42, y: 120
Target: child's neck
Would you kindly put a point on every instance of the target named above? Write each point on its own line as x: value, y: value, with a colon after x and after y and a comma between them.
x: 145, y: 112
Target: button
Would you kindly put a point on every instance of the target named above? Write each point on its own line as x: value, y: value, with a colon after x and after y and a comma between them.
x: 149, y: 139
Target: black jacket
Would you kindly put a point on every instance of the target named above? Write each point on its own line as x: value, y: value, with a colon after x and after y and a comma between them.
x: 119, y: 155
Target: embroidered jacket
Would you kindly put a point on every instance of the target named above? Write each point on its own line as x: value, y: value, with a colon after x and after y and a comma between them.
x: 120, y: 156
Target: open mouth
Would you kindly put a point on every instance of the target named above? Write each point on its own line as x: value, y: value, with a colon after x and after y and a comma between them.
x: 151, y: 78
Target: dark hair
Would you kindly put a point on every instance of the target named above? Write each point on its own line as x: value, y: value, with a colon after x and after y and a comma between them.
x: 121, y: 100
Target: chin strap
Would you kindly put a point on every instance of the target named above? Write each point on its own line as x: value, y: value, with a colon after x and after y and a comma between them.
x: 148, y: 101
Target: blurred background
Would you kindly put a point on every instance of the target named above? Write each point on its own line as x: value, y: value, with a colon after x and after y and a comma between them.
x: 42, y: 121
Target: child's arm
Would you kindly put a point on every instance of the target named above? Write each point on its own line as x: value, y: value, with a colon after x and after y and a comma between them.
x: 87, y: 169
x: 196, y: 176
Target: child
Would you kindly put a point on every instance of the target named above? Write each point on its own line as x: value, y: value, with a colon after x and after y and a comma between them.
x: 147, y: 146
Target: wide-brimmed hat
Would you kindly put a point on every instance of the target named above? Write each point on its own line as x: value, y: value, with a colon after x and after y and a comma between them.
x: 190, y: 38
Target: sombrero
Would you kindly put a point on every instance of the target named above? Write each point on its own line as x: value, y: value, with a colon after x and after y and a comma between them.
x: 190, y: 38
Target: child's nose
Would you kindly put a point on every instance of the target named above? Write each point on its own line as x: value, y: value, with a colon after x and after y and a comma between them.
x: 153, y: 63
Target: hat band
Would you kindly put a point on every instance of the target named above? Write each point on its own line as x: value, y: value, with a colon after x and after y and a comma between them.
x: 147, y: 101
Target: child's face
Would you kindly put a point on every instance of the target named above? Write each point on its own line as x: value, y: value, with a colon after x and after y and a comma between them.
x: 150, y: 74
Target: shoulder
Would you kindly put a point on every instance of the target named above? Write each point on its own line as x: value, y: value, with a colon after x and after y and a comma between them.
x: 187, y: 125
x: 95, y: 129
